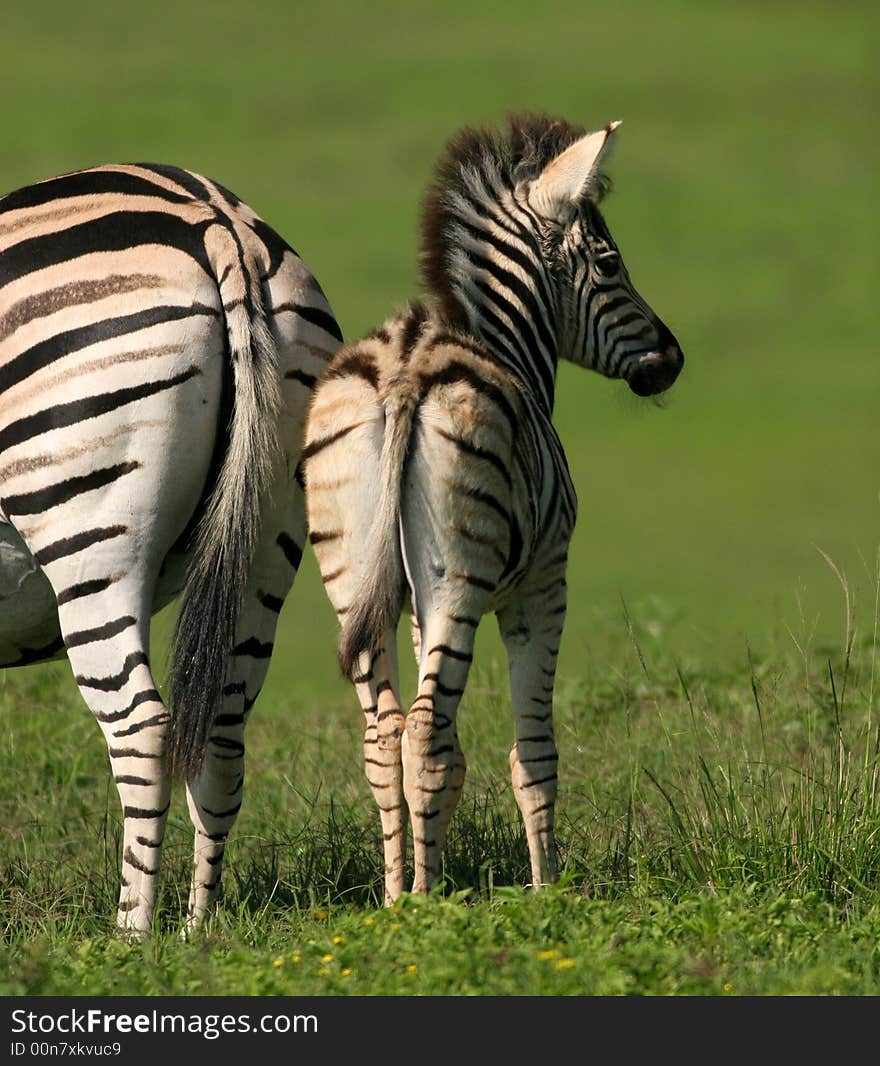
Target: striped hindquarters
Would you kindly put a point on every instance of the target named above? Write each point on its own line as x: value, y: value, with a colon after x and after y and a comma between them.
x: 121, y: 288
x: 108, y: 314
x: 417, y: 427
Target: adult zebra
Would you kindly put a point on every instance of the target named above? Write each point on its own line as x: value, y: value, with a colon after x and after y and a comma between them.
x: 433, y: 468
x: 158, y: 345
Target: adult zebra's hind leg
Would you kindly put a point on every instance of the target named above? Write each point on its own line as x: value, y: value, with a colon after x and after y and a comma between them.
x: 215, y: 796
x: 531, y: 630
x: 105, y: 624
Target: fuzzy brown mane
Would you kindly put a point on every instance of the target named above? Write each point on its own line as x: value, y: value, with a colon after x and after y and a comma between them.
x: 517, y: 153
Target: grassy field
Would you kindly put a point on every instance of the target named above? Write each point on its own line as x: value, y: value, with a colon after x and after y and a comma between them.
x: 718, y: 835
x: 719, y: 675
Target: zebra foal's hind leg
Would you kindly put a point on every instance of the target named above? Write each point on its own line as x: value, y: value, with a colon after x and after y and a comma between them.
x: 377, y: 688
x: 343, y: 485
x: 434, y: 764
x: 452, y: 792
x: 376, y: 684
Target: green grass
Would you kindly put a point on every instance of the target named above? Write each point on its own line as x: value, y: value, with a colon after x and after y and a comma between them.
x: 718, y: 808
x: 558, y: 945
x: 718, y: 834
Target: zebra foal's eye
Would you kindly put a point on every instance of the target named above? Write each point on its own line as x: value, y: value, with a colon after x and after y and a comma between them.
x: 607, y: 264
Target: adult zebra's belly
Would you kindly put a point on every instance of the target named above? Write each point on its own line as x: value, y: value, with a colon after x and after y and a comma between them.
x: 29, y: 630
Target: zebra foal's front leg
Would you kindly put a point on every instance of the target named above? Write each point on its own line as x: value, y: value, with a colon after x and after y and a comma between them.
x: 531, y: 631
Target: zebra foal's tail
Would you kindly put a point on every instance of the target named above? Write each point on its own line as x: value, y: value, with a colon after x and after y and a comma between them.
x: 377, y: 603
x: 226, y: 536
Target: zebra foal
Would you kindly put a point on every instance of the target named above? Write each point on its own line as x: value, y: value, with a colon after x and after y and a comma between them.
x: 158, y: 345
x: 434, y: 473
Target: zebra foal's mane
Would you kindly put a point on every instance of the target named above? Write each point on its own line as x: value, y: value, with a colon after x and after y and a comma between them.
x: 491, y: 160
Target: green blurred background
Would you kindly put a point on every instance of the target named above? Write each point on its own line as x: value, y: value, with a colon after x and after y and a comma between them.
x: 745, y: 207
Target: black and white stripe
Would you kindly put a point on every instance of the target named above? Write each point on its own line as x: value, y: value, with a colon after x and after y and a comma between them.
x: 434, y: 472
x: 158, y: 345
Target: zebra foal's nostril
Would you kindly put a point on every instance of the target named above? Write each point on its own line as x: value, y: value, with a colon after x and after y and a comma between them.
x: 656, y: 371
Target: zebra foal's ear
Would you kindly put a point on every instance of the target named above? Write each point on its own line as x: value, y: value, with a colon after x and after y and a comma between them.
x: 573, y: 174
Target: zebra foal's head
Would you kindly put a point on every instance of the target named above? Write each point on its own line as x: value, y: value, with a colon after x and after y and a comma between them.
x: 515, y: 250
x: 604, y: 322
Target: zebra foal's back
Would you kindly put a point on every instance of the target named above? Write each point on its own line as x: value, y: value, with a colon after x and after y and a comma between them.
x: 158, y: 342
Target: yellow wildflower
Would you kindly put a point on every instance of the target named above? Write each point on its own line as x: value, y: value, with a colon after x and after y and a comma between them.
x: 276, y: 962
x: 345, y: 972
x: 564, y: 964
x: 327, y: 958
x: 338, y: 939
x: 412, y: 968
x: 550, y: 953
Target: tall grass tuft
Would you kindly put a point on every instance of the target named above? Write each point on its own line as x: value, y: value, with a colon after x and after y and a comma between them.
x: 793, y: 804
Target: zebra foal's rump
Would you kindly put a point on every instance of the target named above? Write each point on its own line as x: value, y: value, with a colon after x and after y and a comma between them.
x: 434, y: 472
x: 158, y: 345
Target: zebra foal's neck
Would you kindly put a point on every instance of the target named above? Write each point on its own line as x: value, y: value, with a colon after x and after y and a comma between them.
x: 483, y: 263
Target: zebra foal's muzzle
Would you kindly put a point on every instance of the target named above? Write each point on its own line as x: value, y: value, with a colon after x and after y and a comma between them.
x: 655, y: 371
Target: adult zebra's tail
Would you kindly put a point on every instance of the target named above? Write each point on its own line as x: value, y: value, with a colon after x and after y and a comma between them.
x: 377, y: 603
x: 226, y: 536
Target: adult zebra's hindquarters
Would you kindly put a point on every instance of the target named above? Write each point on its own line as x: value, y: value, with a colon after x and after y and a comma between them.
x: 127, y: 293
x: 433, y: 470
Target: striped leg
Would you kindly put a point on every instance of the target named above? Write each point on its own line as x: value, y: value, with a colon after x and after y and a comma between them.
x: 531, y: 631
x: 106, y: 629
x: 214, y: 798
x: 377, y: 689
x: 433, y: 761
x: 343, y: 487
x: 453, y: 537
